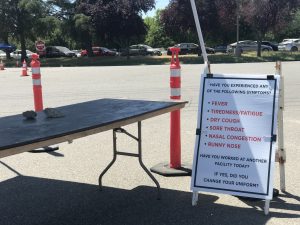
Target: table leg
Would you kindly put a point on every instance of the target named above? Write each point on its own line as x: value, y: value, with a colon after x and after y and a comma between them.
x: 139, y: 155
x: 141, y: 162
x: 113, y: 160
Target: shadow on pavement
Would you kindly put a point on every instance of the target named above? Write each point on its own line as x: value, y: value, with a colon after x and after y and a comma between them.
x: 38, y: 201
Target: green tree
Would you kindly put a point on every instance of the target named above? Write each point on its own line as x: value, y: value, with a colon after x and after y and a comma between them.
x: 268, y: 15
x: 22, y: 20
x: 116, y: 21
x: 217, y: 18
x: 292, y: 30
x: 156, y: 36
x: 6, y: 23
x: 83, y: 31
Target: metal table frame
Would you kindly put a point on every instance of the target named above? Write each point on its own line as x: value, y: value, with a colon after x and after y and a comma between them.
x: 18, y: 135
x: 138, y: 155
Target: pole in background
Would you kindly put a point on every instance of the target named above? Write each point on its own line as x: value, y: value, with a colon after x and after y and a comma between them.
x: 174, y: 168
x: 199, y: 31
x: 281, y: 154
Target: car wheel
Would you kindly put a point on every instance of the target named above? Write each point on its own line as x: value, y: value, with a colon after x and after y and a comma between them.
x: 294, y: 49
x: 159, y: 53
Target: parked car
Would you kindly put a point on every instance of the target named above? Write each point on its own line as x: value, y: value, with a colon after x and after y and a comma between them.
x: 17, y: 54
x: 247, y: 46
x: 273, y: 45
x: 220, y: 48
x: 141, y: 49
x: 190, y: 48
x: 77, y: 52
x: 58, y: 51
x: 100, y: 51
x: 7, y: 47
x: 2, y: 54
x: 292, y: 45
x: 107, y: 52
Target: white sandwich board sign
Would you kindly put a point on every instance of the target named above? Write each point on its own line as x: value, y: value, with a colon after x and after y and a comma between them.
x: 236, y: 133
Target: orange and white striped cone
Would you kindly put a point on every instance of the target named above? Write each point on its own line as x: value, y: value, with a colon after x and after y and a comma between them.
x: 175, y: 85
x: 37, y: 94
x: 1, y: 65
x: 24, y: 69
x: 175, y: 167
x: 37, y: 84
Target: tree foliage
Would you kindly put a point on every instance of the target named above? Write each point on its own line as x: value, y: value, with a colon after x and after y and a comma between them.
x: 217, y: 19
x: 156, y: 36
x: 268, y: 15
x: 119, y: 23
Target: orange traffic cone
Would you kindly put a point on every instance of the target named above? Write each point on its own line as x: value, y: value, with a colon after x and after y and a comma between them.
x: 1, y: 65
x: 24, y: 69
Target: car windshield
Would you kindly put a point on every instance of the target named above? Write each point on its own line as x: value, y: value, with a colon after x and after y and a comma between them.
x: 288, y: 40
x: 63, y: 49
x: 105, y: 49
x: 148, y: 47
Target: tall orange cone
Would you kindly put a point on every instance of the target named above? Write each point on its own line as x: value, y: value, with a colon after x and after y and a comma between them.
x: 24, y: 69
x: 36, y: 81
x: 175, y: 167
x: 1, y: 65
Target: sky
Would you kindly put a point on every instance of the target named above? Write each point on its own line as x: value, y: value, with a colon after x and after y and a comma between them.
x: 160, y: 4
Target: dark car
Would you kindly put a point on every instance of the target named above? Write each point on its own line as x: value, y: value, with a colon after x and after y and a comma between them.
x: 100, y: 51
x: 141, y: 49
x: 58, y: 51
x: 273, y: 45
x: 220, y: 48
x: 190, y: 48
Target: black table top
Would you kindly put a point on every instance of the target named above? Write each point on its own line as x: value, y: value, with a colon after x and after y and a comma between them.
x: 79, y: 119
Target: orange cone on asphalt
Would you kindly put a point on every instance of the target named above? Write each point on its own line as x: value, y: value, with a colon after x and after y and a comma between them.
x: 1, y: 65
x: 37, y: 84
x: 24, y: 69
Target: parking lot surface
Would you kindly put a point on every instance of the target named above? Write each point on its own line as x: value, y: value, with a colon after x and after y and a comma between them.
x: 61, y: 187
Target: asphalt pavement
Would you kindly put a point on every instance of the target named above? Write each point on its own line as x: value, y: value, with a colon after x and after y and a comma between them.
x: 60, y: 188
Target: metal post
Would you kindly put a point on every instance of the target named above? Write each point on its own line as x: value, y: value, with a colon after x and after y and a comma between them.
x: 200, y: 36
x: 281, y: 150
x: 267, y: 207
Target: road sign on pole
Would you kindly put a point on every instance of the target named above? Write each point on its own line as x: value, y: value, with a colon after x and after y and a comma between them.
x: 40, y: 47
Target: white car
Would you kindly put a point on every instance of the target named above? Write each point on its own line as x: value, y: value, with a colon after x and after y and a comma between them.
x: 2, y: 54
x: 292, y: 45
x: 248, y: 45
x: 77, y: 52
x: 17, y: 54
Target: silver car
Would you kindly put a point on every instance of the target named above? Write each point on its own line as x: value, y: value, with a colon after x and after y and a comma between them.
x: 18, y: 53
x: 247, y: 46
x: 2, y: 54
x: 292, y: 45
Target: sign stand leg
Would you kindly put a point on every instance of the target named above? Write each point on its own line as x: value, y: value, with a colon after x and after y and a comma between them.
x: 195, y: 193
x: 282, y: 176
x: 267, y: 206
x: 281, y: 151
x: 195, y: 198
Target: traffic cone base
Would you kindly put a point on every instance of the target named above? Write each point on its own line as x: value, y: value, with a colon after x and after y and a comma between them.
x: 24, y: 69
x: 1, y: 65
